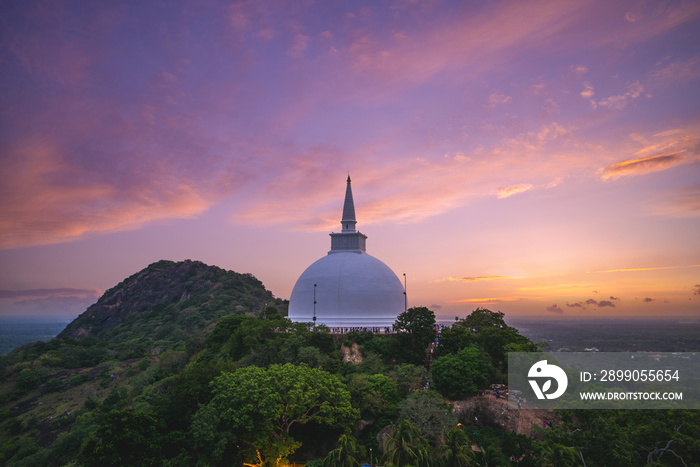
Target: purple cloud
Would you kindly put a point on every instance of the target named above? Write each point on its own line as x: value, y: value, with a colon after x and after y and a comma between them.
x: 49, y: 293
x: 555, y: 309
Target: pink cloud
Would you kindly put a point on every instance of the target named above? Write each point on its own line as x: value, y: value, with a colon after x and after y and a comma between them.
x: 47, y: 199
x: 643, y: 166
x: 513, y: 190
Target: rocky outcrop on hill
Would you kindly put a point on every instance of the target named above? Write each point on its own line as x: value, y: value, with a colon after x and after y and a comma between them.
x: 488, y: 410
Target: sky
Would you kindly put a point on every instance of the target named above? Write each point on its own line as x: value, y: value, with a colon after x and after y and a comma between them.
x: 541, y: 158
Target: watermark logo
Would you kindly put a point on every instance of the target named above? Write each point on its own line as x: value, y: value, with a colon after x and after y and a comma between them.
x: 546, y: 372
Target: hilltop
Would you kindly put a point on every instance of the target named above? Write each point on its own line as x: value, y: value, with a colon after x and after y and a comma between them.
x: 169, y: 301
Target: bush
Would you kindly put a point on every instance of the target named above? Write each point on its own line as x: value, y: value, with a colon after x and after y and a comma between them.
x: 459, y: 376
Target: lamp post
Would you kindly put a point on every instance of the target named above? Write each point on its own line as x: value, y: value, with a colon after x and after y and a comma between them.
x: 371, y: 464
x: 405, y: 296
x: 314, y: 306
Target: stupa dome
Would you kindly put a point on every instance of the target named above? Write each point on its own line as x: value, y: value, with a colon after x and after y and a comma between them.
x: 350, y: 287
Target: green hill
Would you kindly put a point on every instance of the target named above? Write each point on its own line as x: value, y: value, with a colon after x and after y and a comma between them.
x: 163, y: 305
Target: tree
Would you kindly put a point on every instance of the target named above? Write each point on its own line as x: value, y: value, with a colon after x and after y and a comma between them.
x: 347, y: 454
x: 125, y: 437
x: 488, y: 330
x: 491, y: 457
x: 481, y: 319
x: 429, y: 412
x: 255, y: 408
x: 459, y: 376
x: 419, y: 322
x: 406, y: 447
x: 556, y: 455
x: 408, y: 377
x: 456, y: 449
x: 375, y: 395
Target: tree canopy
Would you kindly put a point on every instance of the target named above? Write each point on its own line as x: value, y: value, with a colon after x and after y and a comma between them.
x: 457, y: 376
x: 256, y: 408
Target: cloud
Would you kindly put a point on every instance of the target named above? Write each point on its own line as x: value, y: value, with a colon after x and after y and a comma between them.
x: 643, y: 166
x: 592, y: 302
x: 471, y: 279
x: 619, y: 102
x: 302, y: 189
x: 513, y: 190
x: 47, y: 199
x: 682, y: 71
x: 647, y: 300
x: 49, y: 293
x: 497, y: 99
x: 633, y: 17
x: 299, y: 45
x: 650, y: 269
x: 662, y: 151
x: 555, y: 309
x: 696, y: 289
x: 614, y: 298
x: 588, y: 93
x: 485, y: 300
x: 681, y: 202
x: 123, y: 145
x: 63, y: 303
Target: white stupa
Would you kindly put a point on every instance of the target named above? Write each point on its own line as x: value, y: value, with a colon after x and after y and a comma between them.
x: 350, y: 287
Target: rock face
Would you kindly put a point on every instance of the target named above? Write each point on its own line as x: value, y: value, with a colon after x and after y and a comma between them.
x: 351, y: 354
x: 490, y: 411
x: 170, y: 287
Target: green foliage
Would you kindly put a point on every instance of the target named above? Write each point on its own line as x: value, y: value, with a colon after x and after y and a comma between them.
x: 429, y: 413
x: 419, y: 322
x: 347, y: 454
x: 376, y: 396
x: 456, y: 449
x: 79, y: 379
x: 125, y: 437
x: 256, y: 407
x: 419, y: 326
x: 28, y: 379
x: 627, y: 437
x: 408, y: 377
x: 488, y: 330
x: 16, y: 449
x: 490, y: 456
x: 457, y: 376
x: 405, y: 446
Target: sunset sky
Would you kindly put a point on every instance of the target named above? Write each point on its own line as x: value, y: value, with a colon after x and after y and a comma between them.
x: 541, y: 158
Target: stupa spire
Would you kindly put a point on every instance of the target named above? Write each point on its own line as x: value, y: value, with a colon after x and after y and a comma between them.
x: 348, y: 238
x: 348, y: 221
